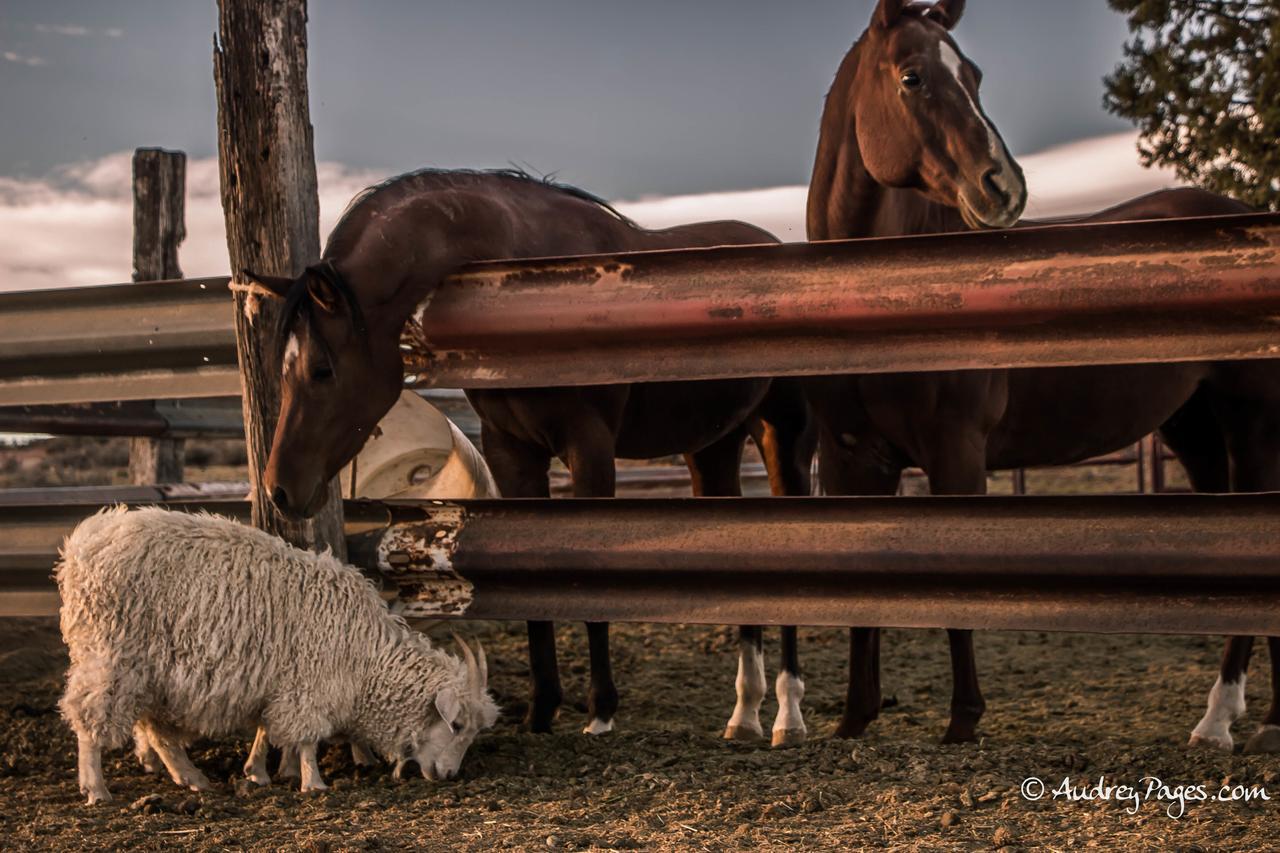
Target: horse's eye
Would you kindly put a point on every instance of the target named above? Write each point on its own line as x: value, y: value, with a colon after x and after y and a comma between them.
x: 322, y: 374
x: 911, y: 80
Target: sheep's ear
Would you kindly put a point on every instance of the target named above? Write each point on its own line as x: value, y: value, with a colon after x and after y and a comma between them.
x: 448, y: 705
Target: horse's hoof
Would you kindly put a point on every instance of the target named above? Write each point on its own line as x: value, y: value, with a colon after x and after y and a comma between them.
x: 960, y: 734
x: 851, y: 729
x: 1265, y: 740
x: 598, y: 727
x: 743, y: 733
x: 783, y: 738
x: 1210, y: 742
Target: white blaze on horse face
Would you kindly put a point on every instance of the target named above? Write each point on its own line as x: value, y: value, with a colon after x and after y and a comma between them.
x: 1226, y: 705
x: 745, y: 722
x: 1007, y: 175
x: 292, y: 350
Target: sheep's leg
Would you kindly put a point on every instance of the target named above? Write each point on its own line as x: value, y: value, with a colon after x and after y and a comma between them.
x: 311, y: 778
x: 362, y: 755
x: 142, y: 748
x: 175, y: 759
x: 256, y: 767
x: 289, y: 767
x: 92, y: 783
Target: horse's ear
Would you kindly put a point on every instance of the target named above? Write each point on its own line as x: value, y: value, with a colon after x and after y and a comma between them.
x: 888, y: 12
x: 946, y: 12
x: 272, y: 285
x: 322, y: 293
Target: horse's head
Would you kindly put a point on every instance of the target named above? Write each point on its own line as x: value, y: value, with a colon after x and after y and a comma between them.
x: 340, y: 373
x: 920, y: 124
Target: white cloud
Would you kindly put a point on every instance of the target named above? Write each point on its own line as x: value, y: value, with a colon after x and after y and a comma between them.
x: 77, y: 30
x: 74, y: 226
x: 1065, y: 180
x: 33, y: 61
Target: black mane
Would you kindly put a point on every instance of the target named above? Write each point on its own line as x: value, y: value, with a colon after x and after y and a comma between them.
x: 512, y: 173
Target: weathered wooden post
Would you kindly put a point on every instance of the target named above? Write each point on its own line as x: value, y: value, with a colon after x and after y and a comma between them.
x: 271, y: 206
x: 159, y: 185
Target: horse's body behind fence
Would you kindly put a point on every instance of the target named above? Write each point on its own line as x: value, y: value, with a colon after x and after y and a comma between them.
x: 900, y: 132
x: 342, y: 369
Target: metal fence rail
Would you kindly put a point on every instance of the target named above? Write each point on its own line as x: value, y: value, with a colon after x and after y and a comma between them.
x: 1169, y: 290
x: 1130, y: 564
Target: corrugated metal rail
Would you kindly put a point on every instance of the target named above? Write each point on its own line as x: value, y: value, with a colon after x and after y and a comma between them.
x: 1129, y: 564
x: 1169, y: 290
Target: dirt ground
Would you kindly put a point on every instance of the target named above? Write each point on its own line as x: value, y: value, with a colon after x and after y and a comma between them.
x: 1058, y: 706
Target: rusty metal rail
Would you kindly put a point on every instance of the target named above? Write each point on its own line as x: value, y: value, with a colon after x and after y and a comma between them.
x: 1169, y: 290
x: 1129, y: 564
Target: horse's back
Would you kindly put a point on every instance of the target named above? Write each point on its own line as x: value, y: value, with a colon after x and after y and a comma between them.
x: 1169, y: 204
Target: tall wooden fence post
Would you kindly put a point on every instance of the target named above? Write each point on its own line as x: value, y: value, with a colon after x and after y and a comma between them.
x: 271, y: 205
x: 159, y: 185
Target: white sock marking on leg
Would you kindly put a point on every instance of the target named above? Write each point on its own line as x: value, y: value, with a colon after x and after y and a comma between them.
x: 1226, y: 705
x: 750, y: 687
x: 790, y: 690
x: 598, y: 727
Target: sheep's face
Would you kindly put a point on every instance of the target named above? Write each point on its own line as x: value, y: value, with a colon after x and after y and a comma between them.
x: 461, y: 710
x: 439, y: 753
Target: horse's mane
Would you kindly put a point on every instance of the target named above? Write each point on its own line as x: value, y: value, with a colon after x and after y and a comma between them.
x: 418, y: 178
x: 297, y: 305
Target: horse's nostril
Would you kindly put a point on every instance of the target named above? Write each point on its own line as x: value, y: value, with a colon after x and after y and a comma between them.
x: 993, y: 187
x: 280, y: 498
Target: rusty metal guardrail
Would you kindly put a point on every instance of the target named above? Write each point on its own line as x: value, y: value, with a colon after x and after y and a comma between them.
x: 1167, y: 290
x: 1126, y: 564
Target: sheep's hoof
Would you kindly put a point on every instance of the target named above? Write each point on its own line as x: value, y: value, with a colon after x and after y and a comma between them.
x: 261, y: 779
x: 1265, y: 739
x: 97, y: 795
x: 314, y: 787
x: 783, y: 738
x: 743, y: 733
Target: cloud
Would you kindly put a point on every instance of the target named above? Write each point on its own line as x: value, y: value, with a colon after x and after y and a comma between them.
x: 77, y: 30
x: 1066, y: 180
x: 73, y: 226
x: 34, y: 61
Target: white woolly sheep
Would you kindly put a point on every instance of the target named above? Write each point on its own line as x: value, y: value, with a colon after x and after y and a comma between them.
x: 185, y: 625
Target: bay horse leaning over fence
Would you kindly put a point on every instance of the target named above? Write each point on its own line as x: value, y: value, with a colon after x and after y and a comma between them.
x: 905, y: 148
x: 342, y: 372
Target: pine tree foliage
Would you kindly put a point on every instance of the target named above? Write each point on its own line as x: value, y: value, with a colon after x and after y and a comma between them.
x: 1201, y: 79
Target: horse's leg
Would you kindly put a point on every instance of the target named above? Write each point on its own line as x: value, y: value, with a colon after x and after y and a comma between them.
x: 958, y: 467
x: 849, y: 466
x: 1226, y: 699
x: 787, y: 437
x: 1195, y: 435
x: 520, y: 471
x: 1252, y: 428
x: 1267, y: 737
x: 715, y: 471
x: 589, y: 455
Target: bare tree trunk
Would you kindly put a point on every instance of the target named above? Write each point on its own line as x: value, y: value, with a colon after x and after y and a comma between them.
x: 271, y: 205
x: 159, y: 184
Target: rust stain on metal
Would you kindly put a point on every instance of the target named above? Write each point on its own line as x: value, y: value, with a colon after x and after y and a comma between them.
x: 419, y: 557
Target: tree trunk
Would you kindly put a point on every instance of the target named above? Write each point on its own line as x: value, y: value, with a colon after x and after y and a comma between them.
x: 271, y: 206
x: 159, y: 184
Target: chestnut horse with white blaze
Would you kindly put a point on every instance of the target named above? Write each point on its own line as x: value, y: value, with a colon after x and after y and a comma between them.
x: 905, y: 148
x: 342, y: 371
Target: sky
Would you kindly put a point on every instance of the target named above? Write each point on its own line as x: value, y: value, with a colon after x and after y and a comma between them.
x: 674, y: 109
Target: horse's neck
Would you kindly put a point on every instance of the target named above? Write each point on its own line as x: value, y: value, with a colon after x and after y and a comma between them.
x: 845, y: 201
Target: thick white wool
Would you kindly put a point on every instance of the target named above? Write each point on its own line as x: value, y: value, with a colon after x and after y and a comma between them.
x: 204, y: 626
